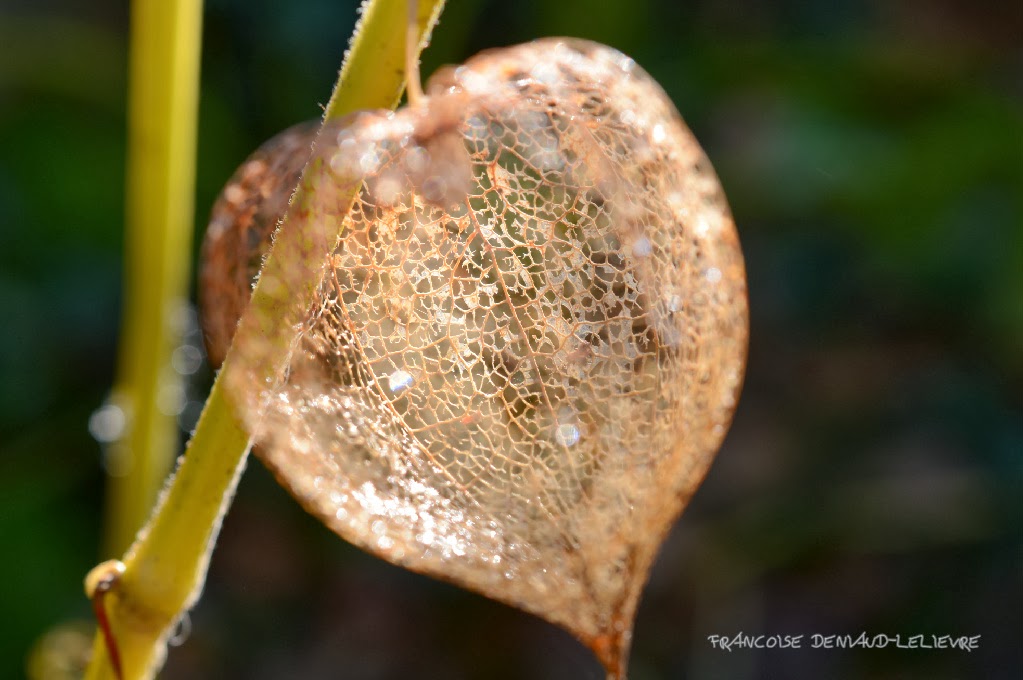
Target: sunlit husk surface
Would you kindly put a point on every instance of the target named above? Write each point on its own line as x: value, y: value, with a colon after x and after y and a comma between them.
x: 528, y: 345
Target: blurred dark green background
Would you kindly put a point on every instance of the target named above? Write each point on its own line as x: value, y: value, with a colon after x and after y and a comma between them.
x: 873, y: 156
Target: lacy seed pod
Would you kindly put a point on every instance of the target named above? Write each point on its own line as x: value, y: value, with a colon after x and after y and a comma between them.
x: 529, y: 342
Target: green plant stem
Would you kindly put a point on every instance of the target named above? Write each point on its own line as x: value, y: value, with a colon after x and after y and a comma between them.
x: 164, y: 99
x: 360, y: 88
x: 166, y: 566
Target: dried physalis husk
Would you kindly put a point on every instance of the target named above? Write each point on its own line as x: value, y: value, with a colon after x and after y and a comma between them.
x: 528, y: 345
x: 241, y: 224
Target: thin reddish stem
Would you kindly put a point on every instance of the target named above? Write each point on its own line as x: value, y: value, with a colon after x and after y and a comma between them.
x: 100, y: 610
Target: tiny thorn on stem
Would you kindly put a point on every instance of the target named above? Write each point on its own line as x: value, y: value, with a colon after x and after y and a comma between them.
x: 100, y: 580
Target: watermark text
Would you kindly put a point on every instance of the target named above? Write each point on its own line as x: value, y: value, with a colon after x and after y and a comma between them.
x: 739, y: 641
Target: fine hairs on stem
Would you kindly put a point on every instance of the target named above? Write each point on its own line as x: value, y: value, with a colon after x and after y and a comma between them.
x: 165, y: 567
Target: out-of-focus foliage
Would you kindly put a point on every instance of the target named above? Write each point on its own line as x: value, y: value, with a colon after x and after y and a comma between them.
x: 873, y: 155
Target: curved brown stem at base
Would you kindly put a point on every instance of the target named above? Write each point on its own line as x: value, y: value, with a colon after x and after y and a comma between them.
x: 100, y: 581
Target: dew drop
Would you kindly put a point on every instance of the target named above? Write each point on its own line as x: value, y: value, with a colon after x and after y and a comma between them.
x: 182, y: 630
x: 186, y: 359
x: 435, y: 188
x: 544, y: 73
x: 642, y: 247
x: 106, y: 424
x: 417, y: 159
x: 369, y: 161
x: 567, y: 435
x: 399, y: 380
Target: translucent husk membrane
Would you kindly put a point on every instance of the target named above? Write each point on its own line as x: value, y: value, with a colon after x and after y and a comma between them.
x: 528, y: 344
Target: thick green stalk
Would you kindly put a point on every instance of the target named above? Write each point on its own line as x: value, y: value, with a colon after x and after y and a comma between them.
x: 166, y: 566
x: 163, y: 101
